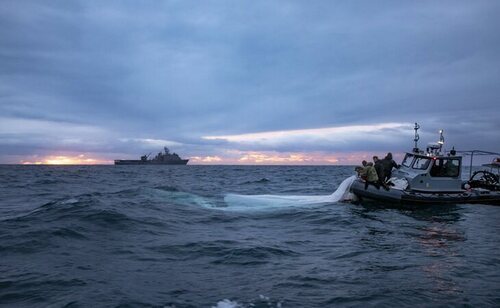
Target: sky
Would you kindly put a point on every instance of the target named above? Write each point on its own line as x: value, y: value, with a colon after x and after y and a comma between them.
x: 245, y: 82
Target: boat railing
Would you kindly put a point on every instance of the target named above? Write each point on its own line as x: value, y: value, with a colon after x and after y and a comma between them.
x: 473, y: 153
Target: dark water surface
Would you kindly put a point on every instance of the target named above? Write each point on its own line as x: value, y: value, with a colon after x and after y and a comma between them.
x: 105, y: 236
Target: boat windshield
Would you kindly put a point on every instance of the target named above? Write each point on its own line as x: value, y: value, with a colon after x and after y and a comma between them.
x: 408, y: 160
x: 421, y: 163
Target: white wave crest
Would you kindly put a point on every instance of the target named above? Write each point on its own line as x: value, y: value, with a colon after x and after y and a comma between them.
x: 227, y: 304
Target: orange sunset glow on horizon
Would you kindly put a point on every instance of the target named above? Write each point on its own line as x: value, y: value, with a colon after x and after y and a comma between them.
x: 81, y: 159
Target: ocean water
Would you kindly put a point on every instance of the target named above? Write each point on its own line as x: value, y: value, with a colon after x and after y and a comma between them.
x: 198, y: 236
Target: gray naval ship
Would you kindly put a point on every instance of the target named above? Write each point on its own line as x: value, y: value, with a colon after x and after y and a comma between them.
x: 162, y: 158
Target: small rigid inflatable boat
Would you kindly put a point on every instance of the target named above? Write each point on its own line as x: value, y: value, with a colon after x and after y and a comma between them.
x: 434, y: 177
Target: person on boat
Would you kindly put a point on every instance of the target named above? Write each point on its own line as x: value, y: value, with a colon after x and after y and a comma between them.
x: 377, y: 163
x: 371, y: 176
x: 380, y: 171
x: 361, y: 170
x: 388, y: 163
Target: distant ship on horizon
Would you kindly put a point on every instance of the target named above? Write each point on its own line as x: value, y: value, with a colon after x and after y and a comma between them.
x: 162, y: 158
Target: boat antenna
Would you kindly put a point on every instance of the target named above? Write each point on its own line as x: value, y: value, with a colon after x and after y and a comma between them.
x: 441, y: 139
x: 417, y: 137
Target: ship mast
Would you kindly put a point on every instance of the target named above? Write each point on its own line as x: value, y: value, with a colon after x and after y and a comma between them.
x: 441, y: 140
x: 417, y: 137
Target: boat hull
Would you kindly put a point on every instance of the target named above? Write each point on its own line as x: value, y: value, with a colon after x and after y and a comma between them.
x: 149, y: 162
x: 404, y: 197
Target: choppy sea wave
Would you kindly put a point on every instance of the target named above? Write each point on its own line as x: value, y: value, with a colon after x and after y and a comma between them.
x: 232, y: 236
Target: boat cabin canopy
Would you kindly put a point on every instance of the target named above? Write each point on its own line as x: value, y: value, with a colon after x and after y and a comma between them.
x: 438, y: 166
x: 427, y: 172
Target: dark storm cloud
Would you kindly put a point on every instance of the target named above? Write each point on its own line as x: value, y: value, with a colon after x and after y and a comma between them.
x: 105, y: 76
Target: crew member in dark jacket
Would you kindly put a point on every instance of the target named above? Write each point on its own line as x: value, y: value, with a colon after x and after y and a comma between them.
x: 388, y: 163
x: 379, y: 167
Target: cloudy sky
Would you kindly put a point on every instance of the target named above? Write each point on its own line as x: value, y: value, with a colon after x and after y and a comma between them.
x: 227, y: 82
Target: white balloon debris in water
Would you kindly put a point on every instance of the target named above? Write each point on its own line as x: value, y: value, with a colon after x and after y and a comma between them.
x: 237, y: 202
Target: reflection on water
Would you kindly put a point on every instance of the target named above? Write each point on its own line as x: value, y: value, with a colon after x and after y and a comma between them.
x: 430, y: 249
x: 439, y: 275
x: 441, y: 241
x: 443, y: 213
x: 441, y: 237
